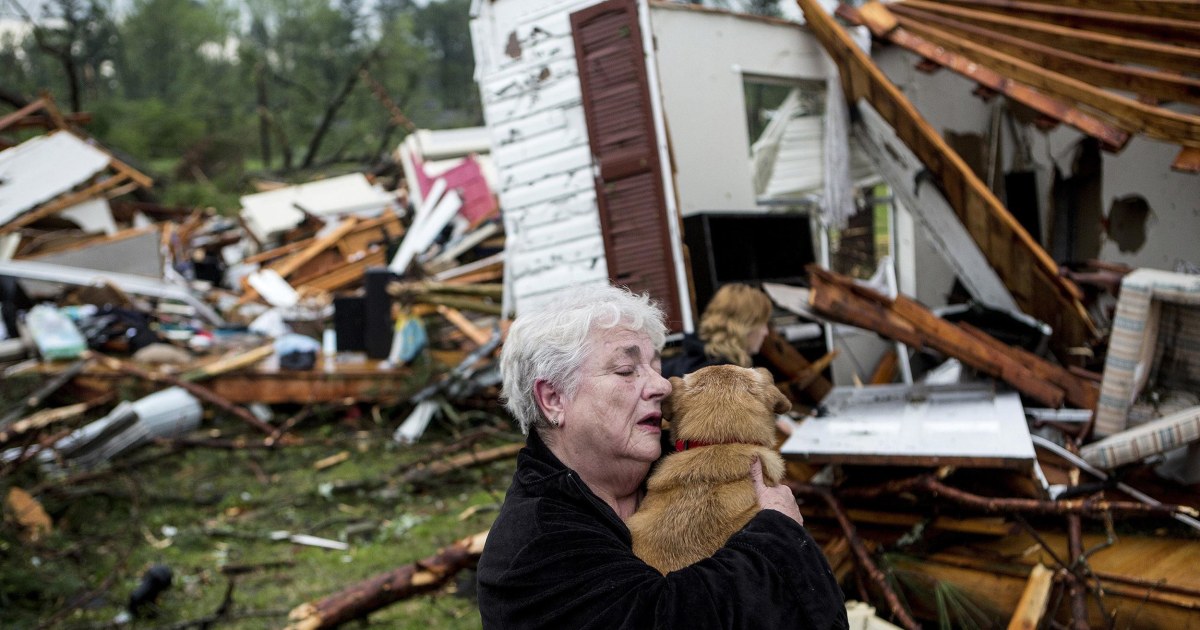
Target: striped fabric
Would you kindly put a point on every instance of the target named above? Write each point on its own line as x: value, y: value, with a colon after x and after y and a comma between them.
x: 1135, y: 333
x: 1166, y: 433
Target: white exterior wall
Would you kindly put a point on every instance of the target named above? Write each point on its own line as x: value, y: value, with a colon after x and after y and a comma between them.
x: 702, y: 57
x: 534, y: 112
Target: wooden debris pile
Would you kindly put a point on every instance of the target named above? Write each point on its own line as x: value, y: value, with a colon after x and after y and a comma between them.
x: 332, y: 290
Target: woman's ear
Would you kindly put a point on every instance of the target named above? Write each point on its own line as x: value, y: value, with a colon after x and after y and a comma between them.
x: 549, y: 400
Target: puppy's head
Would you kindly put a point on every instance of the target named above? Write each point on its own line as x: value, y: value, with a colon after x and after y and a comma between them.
x: 725, y: 403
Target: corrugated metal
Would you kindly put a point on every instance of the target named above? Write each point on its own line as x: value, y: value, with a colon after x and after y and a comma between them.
x: 616, y: 101
x: 43, y: 168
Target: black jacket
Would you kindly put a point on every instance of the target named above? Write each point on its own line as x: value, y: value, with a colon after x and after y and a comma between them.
x: 691, y: 357
x: 559, y: 557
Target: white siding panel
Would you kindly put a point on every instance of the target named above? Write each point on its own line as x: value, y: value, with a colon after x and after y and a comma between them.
x: 522, y: 97
x: 557, y: 279
x: 552, y: 186
x: 562, y: 228
x: 581, y: 203
x: 538, y: 135
x: 571, y: 160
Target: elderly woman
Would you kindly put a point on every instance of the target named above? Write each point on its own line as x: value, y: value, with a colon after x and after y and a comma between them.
x: 581, y: 376
x: 732, y: 330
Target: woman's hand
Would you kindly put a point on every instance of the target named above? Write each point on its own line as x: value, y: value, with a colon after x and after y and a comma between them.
x: 773, y: 498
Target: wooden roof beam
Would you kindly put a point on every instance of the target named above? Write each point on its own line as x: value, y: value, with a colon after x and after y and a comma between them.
x: 1160, y: 29
x: 1155, y: 85
x: 1155, y: 122
x: 1098, y: 45
x: 1174, y: 9
x: 1111, y: 138
x: 19, y: 115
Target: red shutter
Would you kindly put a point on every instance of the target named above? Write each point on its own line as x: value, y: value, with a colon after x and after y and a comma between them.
x: 629, y: 189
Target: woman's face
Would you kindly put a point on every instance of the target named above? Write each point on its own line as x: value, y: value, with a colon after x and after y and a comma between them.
x: 616, y: 412
x: 757, y: 337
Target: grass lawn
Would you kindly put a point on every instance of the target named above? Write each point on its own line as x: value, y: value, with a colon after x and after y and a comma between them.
x: 202, y: 511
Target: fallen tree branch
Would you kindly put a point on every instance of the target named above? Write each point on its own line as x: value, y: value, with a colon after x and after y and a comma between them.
x: 359, y: 600
x: 860, y: 552
x: 35, y: 400
x: 423, y: 472
x: 46, y: 417
x: 1092, y: 507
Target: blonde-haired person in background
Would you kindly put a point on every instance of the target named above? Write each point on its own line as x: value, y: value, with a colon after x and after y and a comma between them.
x: 732, y: 330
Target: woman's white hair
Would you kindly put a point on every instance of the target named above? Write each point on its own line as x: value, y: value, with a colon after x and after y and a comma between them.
x: 550, y: 343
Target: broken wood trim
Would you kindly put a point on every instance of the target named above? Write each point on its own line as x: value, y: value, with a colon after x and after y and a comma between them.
x: 203, y: 393
x: 949, y: 339
x: 1155, y: 122
x: 1150, y: 84
x: 62, y: 202
x: 1078, y: 392
x: 1097, y: 19
x: 359, y: 600
x: 1022, y: 264
x: 316, y: 246
x: 864, y: 559
x: 1187, y: 161
x: 1119, y: 48
x: 905, y: 320
x: 1034, y: 599
x: 229, y: 363
x: 477, y: 335
x: 1111, y: 138
x: 14, y: 117
x: 784, y: 357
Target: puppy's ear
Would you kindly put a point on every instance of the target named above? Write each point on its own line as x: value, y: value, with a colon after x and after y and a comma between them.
x: 668, y: 403
x: 772, y: 396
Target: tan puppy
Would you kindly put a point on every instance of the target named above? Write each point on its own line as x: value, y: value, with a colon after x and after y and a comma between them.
x: 724, y: 415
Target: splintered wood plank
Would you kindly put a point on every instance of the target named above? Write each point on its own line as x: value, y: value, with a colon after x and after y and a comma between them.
x: 1078, y: 392
x: 834, y: 302
x: 951, y: 340
x: 1188, y: 160
x: 1034, y: 599
x: 877, y: 18
x: 345, y: 274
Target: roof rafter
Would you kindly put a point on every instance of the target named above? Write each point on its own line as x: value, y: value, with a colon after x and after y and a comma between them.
x: 1112, y: 138
x: 1155, y: 122
x: 1182, y: 32
x: 1149, y: 83
x: 1176, y: 9
x: 1098, y: 45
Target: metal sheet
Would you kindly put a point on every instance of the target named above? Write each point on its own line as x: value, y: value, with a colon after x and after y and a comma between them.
x: 916, y: 425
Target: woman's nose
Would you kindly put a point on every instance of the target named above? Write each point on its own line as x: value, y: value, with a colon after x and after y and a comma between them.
x: 657, y: 387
